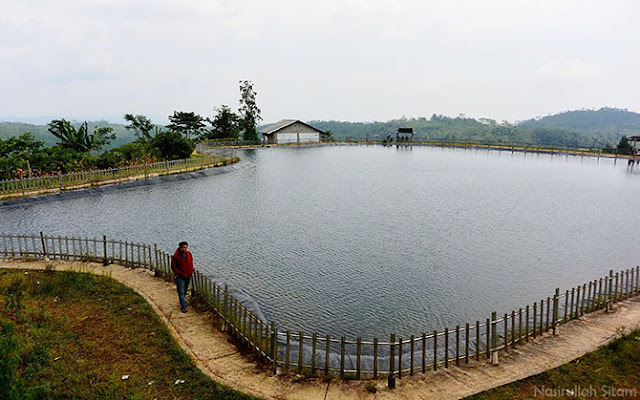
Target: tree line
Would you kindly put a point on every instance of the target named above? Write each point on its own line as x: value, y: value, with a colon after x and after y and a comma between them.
x: 80, y: 148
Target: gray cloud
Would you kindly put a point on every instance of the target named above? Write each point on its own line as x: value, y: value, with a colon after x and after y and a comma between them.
x: 347, y: 60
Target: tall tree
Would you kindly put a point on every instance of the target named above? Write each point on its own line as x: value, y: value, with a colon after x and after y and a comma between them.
x: 225, y: 124
x: 79, y: 139
x: 249, y: 112
x: 186, y: 123
x: 140, y: 124
x: 624, y: 147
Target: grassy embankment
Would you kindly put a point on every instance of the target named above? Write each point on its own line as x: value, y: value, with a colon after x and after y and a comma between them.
x: 612, y: 371
x: 74, y: 335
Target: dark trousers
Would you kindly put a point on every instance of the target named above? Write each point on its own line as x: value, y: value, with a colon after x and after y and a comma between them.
x: 182, y: 284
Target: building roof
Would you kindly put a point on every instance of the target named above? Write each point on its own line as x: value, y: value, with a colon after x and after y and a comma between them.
x: 273, y: 128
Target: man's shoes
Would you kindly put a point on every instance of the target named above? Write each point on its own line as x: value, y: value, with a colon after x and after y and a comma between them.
x: 183, y: 309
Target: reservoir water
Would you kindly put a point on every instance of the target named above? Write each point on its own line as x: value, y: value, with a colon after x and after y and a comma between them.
x: 368, y: 241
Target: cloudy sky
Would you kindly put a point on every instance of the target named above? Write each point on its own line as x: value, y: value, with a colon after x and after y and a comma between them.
x: 353, y: 60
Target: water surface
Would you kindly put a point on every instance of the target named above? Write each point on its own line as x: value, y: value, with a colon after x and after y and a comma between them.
x: 366, y: 241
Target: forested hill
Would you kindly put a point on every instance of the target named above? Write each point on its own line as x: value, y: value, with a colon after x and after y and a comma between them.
x: 583, y: 128
x: 10, y: 129
x: 620, y: 121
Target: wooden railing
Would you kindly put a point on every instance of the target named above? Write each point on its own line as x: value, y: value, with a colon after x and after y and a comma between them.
x: 73, y: 180
x: 353, y: 358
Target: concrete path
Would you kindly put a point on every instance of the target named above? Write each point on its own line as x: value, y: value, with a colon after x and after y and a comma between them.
x: 199, y: 336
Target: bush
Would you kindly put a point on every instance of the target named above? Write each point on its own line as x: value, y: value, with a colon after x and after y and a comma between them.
x: 171, y: 145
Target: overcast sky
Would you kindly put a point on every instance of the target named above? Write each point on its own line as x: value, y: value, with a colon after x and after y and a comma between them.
x: 352, y: 60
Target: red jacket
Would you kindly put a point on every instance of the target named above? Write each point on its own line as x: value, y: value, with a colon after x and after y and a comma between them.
x: 182, y: 266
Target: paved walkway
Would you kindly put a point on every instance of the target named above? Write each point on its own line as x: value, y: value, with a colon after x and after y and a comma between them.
x: 215, y: 356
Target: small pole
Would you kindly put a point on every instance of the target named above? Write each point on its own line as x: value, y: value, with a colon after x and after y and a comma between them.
x: 400, y: 358
x: 375, y: 358
x: 274, y: 347
x: 535, y: 318
x: 45, y: 253
x: 326, y: 358
x: 412, y: 354
x: 392, y: 354
x: 314, y: 343
x: 342, y: 351
x: 466, y: 343
x: 435, y: 350
x: 359, y: 354
x: 457, y: 344
x: 446, y: 348
x: 105, y: 260
x: 554, y: 323
x: 610, y: 290
x: 494, y: 338
x: 477, y: 340
x: 288, y: 351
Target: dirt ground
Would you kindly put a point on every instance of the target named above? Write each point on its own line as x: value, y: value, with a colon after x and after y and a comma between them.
x: 221, y: 360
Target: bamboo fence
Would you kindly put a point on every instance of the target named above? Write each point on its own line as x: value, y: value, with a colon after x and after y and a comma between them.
x: 347, y: 358
x: 74, y: 180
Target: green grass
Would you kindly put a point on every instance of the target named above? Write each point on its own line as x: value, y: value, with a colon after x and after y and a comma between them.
x: 73, y: 335
x: 611, y: 371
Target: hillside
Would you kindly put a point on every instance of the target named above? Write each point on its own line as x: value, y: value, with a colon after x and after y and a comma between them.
x: 611, y: 123
x: 579, y: 128
x: 10, y: 129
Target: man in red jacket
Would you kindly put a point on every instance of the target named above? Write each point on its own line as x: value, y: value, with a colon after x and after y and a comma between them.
x: 182, y: 266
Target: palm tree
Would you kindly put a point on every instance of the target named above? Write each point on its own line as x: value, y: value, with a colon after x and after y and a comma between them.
x: 79, y: 139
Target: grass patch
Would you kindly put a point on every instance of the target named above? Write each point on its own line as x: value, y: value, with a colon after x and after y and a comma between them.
x: 73, y: 335
x: 611, y: 371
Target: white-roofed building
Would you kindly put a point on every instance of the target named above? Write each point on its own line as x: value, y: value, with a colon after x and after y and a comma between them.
x: 291, y: 131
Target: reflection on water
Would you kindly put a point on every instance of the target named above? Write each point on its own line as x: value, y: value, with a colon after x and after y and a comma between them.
x: 370, y: 240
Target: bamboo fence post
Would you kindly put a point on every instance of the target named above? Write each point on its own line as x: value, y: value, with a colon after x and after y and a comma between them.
x: 526, y: 325
x: 359, y: 354
x: 314, y: 343
x: 375, y: 358
x: 105, y: 260
x: 494, y: 337
x: 274, y: 346
x: 535, y: 318
x: 488, y: 339
x: 546, y: 324
x: 424, y: 352
x: 392, y: 354
x: 45, y: 253
x: 287, y: 351
x: 466, y: 343
x: 300, y: 353
x: 327, y: 354
x: 610, y: 290
x: 435, y: 350
x: 457, y: 344
x: 506, y: 335
x: 342, y: 351
x: 446, y: 348
x: 554, y: 323
x: 541, y: 316
x: 412, y: 355
x: 519, y: 325
x: 477, y: 340
x: 400, y: 358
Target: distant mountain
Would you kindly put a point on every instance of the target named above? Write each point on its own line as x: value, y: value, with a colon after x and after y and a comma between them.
x: 609, y: 123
